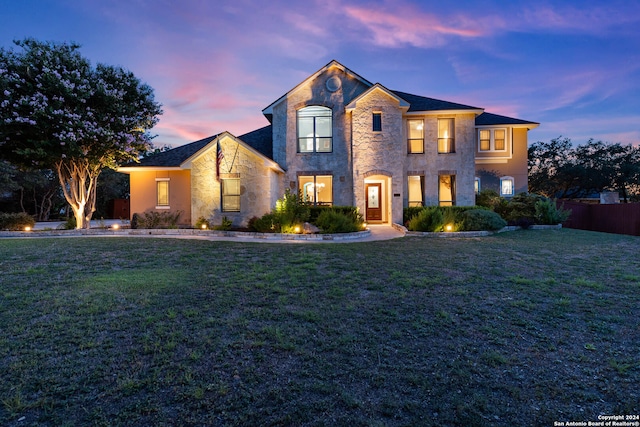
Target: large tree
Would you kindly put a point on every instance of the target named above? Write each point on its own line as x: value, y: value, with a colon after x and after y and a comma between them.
x: 559, y: 169
x: 60, y: 112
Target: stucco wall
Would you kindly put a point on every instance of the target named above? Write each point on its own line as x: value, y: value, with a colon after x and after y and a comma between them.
x: 256, y: 184
x: 143, y: 192
x: 516, y: 166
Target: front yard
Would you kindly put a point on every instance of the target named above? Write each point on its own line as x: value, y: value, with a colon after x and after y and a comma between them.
x: 520, y: 328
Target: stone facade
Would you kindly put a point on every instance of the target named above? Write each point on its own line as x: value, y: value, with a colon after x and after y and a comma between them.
x: 366, y: 164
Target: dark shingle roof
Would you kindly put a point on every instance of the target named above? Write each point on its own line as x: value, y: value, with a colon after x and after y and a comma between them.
x: 422, y: 103
x: 488, y: 119
x: 260, y: 139
x: 176, y: 156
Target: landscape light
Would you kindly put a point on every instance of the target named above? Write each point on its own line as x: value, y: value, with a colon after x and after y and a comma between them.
x: 27, y: 228
x: 297, y: 229
x: 204, y: 226
x: 448, y: 227
x: 115, y: 227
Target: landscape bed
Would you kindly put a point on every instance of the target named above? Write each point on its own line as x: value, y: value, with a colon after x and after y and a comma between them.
x: 520, y: 328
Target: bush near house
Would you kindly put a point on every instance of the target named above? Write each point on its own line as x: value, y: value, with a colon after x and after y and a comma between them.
x: 438, y: 218
x: 16, y: 221
x: 524, y: 209
x: 481, y: 219
x: 292, y: 212
x: 156, y: 220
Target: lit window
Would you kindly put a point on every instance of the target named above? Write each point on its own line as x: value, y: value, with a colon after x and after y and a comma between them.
x: 231, y: 195
x: 507, y: 187
x: 476, y: 185
x: 377, y: 122
x: 314, y: 130
x: 316, y: 189
x: 447, y: 190
x: 492, y: 140
x: 162, y: 193
x: 446, y: 136
x: 416, y: 190
x: 416, y: 136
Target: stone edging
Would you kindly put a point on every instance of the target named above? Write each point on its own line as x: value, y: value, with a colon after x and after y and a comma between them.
x: 445, y: 234
x: 187, y: 232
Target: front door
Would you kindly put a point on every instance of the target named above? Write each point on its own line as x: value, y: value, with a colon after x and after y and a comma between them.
x: 374, y: 204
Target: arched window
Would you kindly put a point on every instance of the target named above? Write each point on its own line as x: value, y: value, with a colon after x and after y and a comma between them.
x: 315, y: 132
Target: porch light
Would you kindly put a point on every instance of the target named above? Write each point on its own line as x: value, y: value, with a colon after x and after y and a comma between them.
x: 448, y: 227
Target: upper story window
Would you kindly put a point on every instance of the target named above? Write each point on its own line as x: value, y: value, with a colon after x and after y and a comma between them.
x: 492, y: 140
x: 446, y: 136
x: 377, y: 122
x: 415, y: 141
x: 315, y: 130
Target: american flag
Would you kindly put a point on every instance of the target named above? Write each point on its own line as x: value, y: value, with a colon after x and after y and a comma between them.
x: 219, y: 160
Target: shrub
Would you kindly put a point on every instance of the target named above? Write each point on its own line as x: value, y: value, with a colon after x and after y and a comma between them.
x: 521, y: 210
x: 481, y: 220
x: 315, y: 211
x: 547, y: 212
x: 225, y: 225
x: 16, y: 221
x: 154, y: 219
x: 410, y: 212
x: 429, y: 219
x: 489, y: 199
x: 337, y: 221
x: 267, y: 223
x: 202, y: 221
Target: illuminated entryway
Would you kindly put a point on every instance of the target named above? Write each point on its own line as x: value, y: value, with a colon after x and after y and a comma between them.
x: 377, y: 200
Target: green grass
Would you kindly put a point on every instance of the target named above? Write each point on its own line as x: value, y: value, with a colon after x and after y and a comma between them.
x: 521, y: 328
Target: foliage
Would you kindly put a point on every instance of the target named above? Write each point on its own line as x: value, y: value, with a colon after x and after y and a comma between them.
x: 60, y: 113
x: 224, y: 225
x: 36, y: 192
x: 337, y: 221
x: 68, y: 224
x: 267, y: 223
x: 490, y: 199
x: 15, y: 221
x: 547, y: 212
x: 481, y: 219
x: 429, y: 219
x: 558, y: 169
x: 153, y: 219
x: 203, y: 221
x: 352, y: 211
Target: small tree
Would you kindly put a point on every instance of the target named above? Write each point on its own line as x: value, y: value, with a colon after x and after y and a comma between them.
x: 59, y: 112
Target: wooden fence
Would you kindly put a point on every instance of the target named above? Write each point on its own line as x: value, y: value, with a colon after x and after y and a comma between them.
x: 622, y: 218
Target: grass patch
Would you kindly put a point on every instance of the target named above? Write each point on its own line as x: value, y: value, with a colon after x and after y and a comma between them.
x: 405, y: 332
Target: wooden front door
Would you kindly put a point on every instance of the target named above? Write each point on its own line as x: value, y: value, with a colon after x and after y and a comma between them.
x: 374, y: 204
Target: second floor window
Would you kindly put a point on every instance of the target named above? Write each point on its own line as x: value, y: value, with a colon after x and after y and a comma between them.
x: 416, y: 136
x: 446, y: 136
x: 377, y: 122
x: 315, y: 130
x: 492, y: 140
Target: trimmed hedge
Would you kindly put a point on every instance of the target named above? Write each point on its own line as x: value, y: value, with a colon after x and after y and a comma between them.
x: 481, y: 220
x: 16, y: 221
x: 339, y: 221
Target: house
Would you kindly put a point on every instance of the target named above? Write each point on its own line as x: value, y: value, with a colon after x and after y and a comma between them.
x: 338, y: 139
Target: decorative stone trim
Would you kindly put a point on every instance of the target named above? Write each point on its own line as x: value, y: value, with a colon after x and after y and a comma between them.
x: 447, y: 172
x: 414, y: 173
x: 377, y: 172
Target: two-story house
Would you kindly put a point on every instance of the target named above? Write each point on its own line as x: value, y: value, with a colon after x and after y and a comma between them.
x: 338, y: 139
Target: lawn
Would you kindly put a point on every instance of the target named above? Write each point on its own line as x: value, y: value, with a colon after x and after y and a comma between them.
x: 521, y: 328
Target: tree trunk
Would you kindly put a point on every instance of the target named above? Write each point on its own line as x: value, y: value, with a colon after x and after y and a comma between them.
x: 79, y: 179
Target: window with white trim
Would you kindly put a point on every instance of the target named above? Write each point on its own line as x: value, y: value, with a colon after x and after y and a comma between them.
x: 162, y: 193
x: 507, y: 187
x: 446, y: 136
x: 230, y: 199
x: 492, y: 140
x: 315, y: 129
x: 416, y: 190
x: 316, y: 189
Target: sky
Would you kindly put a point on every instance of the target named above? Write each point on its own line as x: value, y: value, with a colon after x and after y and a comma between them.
x: 572, y: 66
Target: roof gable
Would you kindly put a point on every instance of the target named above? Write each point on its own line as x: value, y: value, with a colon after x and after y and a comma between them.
x: 377, y: 88
x: 268, y: 111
